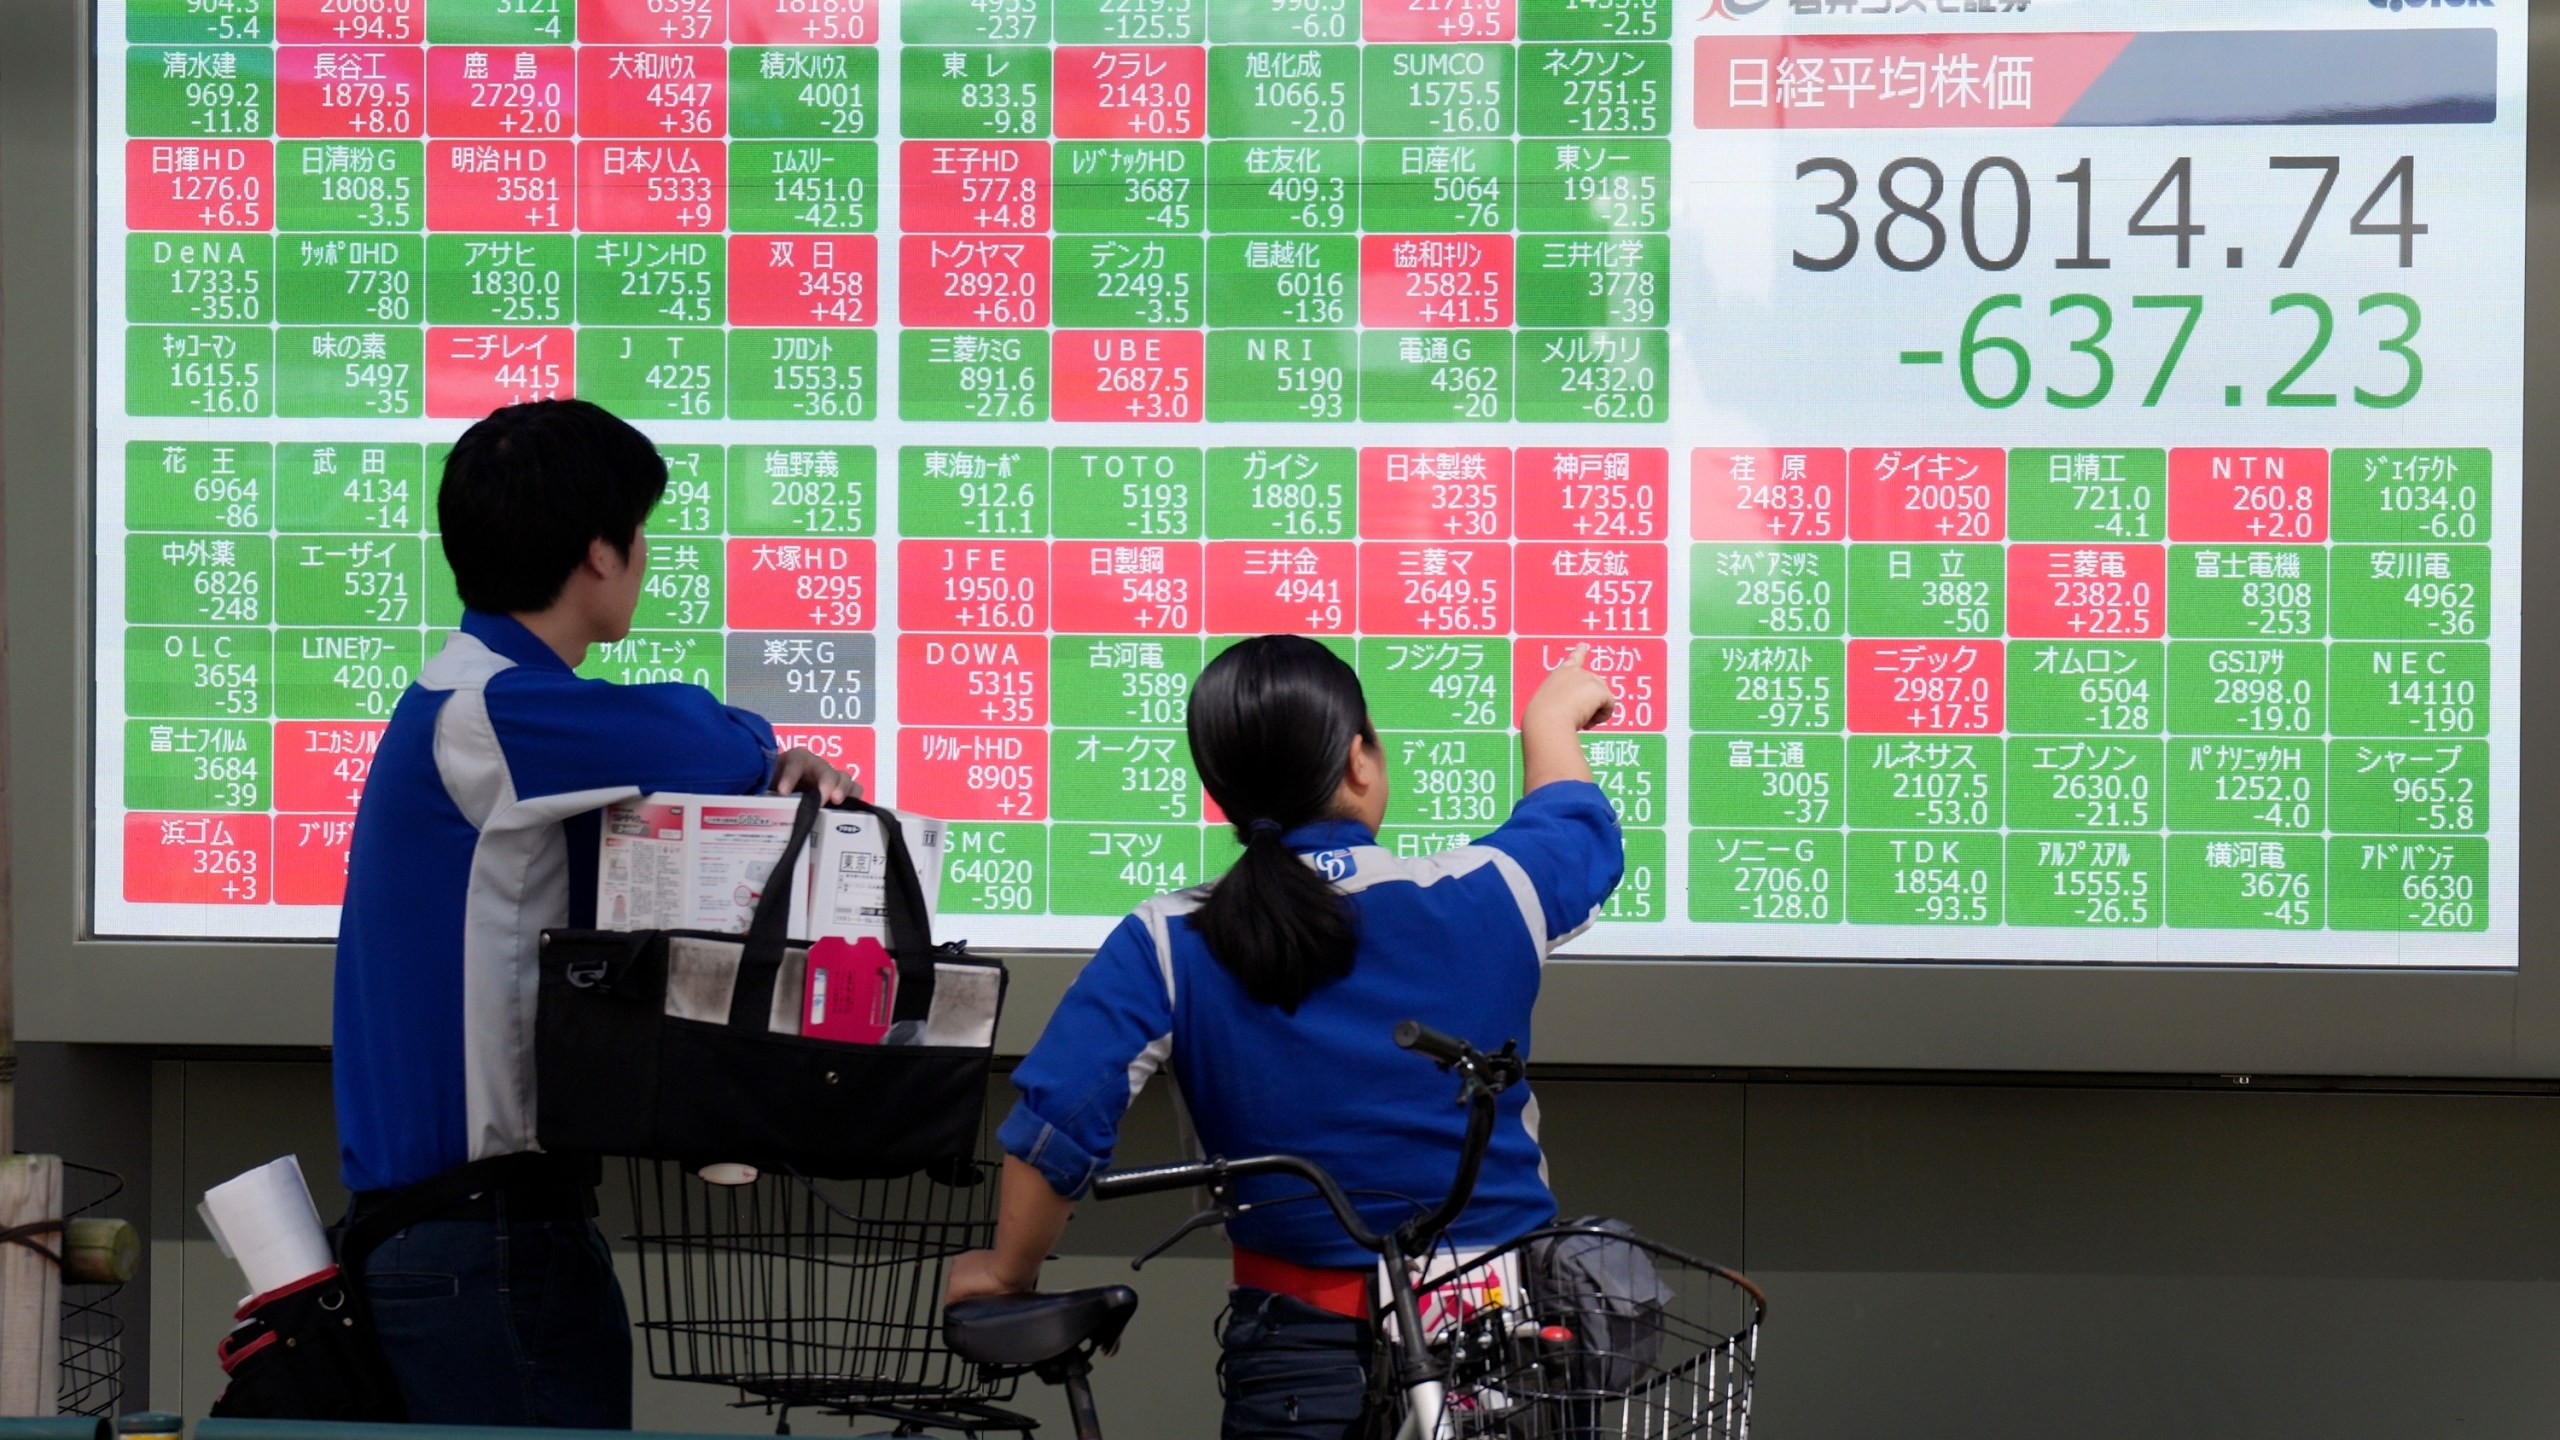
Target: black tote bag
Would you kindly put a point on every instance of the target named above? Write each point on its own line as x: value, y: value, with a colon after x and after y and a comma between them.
x: 684, y: 1045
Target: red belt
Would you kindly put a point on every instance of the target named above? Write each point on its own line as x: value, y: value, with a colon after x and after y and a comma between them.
x: 1341, y: 1292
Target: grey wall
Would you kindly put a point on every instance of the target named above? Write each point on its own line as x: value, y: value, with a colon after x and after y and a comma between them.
x: 1958, y: 1260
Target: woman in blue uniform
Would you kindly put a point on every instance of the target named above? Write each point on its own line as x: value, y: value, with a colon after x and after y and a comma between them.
x: 1271, y: 995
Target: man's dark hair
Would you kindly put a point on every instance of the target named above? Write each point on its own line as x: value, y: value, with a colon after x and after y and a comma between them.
x: 529, y: 488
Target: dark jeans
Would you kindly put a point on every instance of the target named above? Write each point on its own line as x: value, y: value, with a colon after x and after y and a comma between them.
x: 504, y: 1322
x: 1289, y: 1370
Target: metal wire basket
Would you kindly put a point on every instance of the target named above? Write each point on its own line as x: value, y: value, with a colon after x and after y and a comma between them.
x: 92, y: 1356
x: 825, y: 1294
x: 1665, y: 1351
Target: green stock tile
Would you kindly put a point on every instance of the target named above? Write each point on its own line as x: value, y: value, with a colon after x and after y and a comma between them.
x: 1098, y: 187
x: 2244, y: 882
x: 2253, y: 592
x: 1282, y: 281
x: 2086, y: 880
x: 339, y: 674
x: 973, y: 491
x: 1284, y: 91
x: 1595, y: 91
x: 2409, y: 592
x: 212, y: 92
x: 1594, y: 281
x: 806, y: 490
x: 653, y: 374
x: 2265, y: 787
x: 2075, y: 687
x: 803, y: 374
x: 1436, y: 90
x: 1768, y: 685
x: 1283, y: 375
x: 198, y: 765
x: 804, y: 186
x: 2382, y: 882
x: 1426, y: 684
x: 973, y: 375
x: 1595, y: 185
x: 210, y: 486
x: 1939, y: 878
x: 2405, y: 787
x: 2409, y: 497
x: 1436, y: 187
x: 2061, y: 783
x: 198, y: 579
x: 1128, y: 281
x: 502, y: 22
x: 2409, y: 690
x: 651, y: 280
x: 996, y: 870
x: 1767, y: 877
x: 1284, y: 20
x: 2218, y: 688
x: 199, y: 671
x: 682, y: 589
x: 350, y: 580
x: 1769, y: 781
x: 1595, y: 19
x: 1435, y: 375
x: 1132, y: 22
x: 1617, y: 377
x: 200, y: 279
x: 978, y: 92
x: 1121, y: 775
x: 1126, y: 493
x: 692, y: 504
x: 350, y: 488
x: 2073, y: 495
x: 651, y: 657
x: 1114, y: 869
x: 501, y: 279
x: 148, y: 22
x: 1122, y: 680
x: 804, y: 92
x: 360, y: 185
x: 366, y: 372
x: 1284, y: 187
x: 1927, y: 590
x: 351, y: 279
x: 216, y: 371
x: 1457, y: 779
x: 1768, y: 590
x: 1632, y: 770
x: 1932, y: 783
x: 1270, y: 492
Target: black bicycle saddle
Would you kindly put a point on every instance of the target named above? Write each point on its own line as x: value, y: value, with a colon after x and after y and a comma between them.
x: 1026, y: 1330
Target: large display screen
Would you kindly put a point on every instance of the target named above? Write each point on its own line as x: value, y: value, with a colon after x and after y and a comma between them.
x: 2042, y: 477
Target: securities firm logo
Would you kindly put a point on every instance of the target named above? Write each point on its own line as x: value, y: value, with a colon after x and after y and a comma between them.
x: 2396, y: 6
x: 1852, y: 9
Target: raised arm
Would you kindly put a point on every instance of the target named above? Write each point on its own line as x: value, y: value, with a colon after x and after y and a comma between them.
x: 1569, y: 701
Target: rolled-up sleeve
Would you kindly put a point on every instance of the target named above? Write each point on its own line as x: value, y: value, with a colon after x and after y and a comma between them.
x: 1109, y: 1036
x: 1565, y: 836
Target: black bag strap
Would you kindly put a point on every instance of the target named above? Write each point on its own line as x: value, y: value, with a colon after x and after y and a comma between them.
x: 772, y: 923
x: 910, y: 923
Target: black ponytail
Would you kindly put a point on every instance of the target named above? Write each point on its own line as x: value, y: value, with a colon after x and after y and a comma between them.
x: 1272, y: 723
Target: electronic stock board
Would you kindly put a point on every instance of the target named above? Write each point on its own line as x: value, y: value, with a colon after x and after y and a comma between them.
x: 2043, y: 478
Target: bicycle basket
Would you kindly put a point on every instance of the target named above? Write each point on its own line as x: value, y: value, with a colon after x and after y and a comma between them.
x: 1611, y: 1337
x: 816, y: 1293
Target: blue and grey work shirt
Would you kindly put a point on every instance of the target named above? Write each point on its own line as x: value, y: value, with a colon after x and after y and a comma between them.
x: 1455, y: 940
x: 475, y: 833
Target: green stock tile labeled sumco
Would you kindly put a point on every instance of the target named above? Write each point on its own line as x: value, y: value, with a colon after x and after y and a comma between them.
x: 1125, y: 493
x: 654, y: 657
x: 2249, y: 690
x: 212, y: 92
x: 1767, y: 877
x: 213, y: 486
x: 2064, y: 783
x: 502, y: 22
x: 2409, y: 787
x: 2263, y: 787
x: 351, y: 279
x: 1643, y: 895
x: 1286, y: 187
x: 1933, y: 783
x: 2382, y: 882
x: 1099, y: 187
x: 1306, y: 376
x: 996, y: 870
x: 682, y: 589
x: 2252, y: 592
x: 804, y: 92
x: 803, y: 490
x: 1436, y: 187
x: 1939, y: 878
x: 181, y: 22
x: 351, y: 487
x: 367, y: 372
x: 807, y: 186
x: 692, y: 503
x: 1435, y: 90
x: 1311, y: 282
x: 1768, y: 590
x: 1767, y: 685
x: 1927, y: 590
x: 2073, y: 687
x: 198, y: 579
x: 200, y: 279
x: 224, y: 371
x: 651, y: 280
x: 1424, y: 684
x: 1595, y: 19
x: 2246, y: 882
x: 1595, y: 186
x: 974, y: 22
x: 1131, y: 22
x: 2077, y: 880
x: 1769, y: 781
x: 501, y: 279
x: 973, y: 375
x: 1285, y: 91
x: 1283, y: 20
x: 2073, y: 495
x: 1571, y: 377
x: 1272, y: 492
x: 345, y: 674
x: 1448, y: 779
x: 350, y: 580
x: 980, y: 93
x: 1632, y: 770
x: 1435, y: 375
x: 198, y: 765
x: 2409, y: 691
x: 2409, y: 592
x: 653, y: 374
x: 1595, y: 91
x: 1127, y: 281
x: 1114, y: 869
x: 1122, y: 680
x: 201, y: 671
x: 803, y: 374
x: 977, y: 492
x: 2409, y: 497
x: 363, y: 185
x: 1122, y: 775
x: 1594, y: 280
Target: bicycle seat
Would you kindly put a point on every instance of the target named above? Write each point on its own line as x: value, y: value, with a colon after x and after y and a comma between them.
x: 1019, y: 1330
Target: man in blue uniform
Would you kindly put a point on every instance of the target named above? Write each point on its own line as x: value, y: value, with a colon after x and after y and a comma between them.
x: 477, y: 831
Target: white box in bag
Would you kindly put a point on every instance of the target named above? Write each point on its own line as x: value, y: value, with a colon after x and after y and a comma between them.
x: 849, y: 898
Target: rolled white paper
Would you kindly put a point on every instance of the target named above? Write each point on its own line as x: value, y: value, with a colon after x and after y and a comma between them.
x: 264, y: 1219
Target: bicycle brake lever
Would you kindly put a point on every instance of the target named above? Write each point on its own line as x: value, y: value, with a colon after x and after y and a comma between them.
x: 1214, y: 1215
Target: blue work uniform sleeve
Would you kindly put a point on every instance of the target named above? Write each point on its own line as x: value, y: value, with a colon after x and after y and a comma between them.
x: 1565, y: 835
x: 1111, y: 1033
x: 564, y: 734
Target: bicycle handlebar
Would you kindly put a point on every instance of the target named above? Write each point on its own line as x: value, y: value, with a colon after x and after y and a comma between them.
x: 1416, y: 1036
x: 1158, y: 1178
x: 1155, y: 1179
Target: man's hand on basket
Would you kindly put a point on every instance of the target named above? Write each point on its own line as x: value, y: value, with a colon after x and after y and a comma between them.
x: 981, y: 1272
